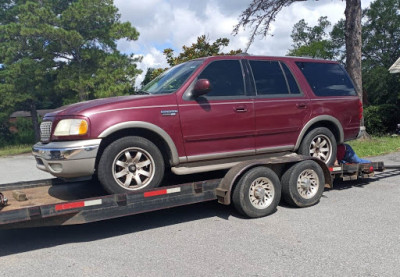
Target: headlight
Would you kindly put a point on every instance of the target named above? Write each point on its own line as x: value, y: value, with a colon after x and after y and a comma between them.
x: 69, y: 127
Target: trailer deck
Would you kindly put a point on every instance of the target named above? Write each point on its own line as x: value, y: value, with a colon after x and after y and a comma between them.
x: 53, y: 202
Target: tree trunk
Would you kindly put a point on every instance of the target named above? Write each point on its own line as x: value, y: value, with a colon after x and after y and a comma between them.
x: 353, y: 49
x: 35, y: 121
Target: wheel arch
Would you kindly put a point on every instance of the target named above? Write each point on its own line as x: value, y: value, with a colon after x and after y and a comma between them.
x: 326, y: 121
x: 143, y: 129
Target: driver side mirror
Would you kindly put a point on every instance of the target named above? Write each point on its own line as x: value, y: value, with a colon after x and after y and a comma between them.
x: 201, y: 87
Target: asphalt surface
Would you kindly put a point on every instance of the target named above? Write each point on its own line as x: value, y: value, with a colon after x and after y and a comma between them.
x: 353, y: 231
x: 20, y: 168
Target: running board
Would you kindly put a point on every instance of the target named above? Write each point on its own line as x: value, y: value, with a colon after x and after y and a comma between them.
x: 182, y: 170
x: 205, y: 166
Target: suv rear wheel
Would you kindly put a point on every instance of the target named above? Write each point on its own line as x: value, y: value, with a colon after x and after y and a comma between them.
x: 130, y: 163
x: 319, y: 143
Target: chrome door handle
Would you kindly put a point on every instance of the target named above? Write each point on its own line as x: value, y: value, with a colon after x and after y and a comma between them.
x: 241, y: 109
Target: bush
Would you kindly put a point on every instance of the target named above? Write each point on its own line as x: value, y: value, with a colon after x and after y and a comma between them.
x: 23, y: 133
x: 381, y: 119
x: 26, y: 134
x: 5, y: 135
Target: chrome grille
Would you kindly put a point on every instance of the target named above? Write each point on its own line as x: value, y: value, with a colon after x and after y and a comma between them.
x: 45, y: 131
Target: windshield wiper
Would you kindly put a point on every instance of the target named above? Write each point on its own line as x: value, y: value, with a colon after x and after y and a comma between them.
x: 142, y: 92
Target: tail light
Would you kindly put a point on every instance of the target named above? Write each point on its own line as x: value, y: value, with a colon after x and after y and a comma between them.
x: 360, y: 109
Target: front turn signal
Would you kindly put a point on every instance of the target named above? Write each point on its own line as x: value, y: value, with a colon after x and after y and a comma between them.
x: 70, y: 127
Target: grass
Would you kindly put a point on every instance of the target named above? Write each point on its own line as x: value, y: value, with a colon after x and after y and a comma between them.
x: 15, y: 150
x: 376, y: 146
x: 364, y: 148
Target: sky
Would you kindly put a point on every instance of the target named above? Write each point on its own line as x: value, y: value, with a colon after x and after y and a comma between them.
x: 174, y: 23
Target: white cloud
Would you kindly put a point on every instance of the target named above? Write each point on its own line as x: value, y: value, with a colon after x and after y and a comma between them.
x: 153, y: 59
x: 172, y: 24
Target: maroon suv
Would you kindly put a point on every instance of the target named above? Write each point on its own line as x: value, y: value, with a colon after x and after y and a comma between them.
x: 203, y: 115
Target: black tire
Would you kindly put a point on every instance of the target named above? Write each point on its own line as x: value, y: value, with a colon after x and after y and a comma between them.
x: 130, y: 164
x: 257, y: 193
x: 303, y: 184
x: 313, y: 145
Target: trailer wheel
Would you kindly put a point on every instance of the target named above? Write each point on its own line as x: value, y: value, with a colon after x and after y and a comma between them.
x: 319, y: 143
x: 257, y: 193
x: 130, y: 163
x: 303, y: 184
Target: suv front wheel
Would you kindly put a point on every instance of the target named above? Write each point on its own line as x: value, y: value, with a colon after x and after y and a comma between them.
x: 129, y: 164
x: 319, y: 143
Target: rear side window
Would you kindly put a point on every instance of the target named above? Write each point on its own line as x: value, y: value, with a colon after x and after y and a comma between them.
x: 327, y: 79
x: 294, y: 88
x: 273, y: 78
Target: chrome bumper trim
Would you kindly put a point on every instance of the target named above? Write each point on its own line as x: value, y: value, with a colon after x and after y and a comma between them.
x: 71, y: 159
x: 74, y: 150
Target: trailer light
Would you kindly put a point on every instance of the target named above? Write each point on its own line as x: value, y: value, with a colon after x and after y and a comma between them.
x: 360, y: 109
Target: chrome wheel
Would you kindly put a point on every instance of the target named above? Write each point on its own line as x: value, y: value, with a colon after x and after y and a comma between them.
x: 261, y: 193
x: 321, y: 148
x: 133, y: 168
x: 308, y: 183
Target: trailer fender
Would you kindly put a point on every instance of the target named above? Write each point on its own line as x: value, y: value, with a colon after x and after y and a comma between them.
x: 224, y: 189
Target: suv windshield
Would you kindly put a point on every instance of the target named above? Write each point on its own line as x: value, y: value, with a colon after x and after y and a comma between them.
x: 172, y: 79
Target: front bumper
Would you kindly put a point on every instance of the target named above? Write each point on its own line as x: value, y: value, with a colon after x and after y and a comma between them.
x: 67, y: 159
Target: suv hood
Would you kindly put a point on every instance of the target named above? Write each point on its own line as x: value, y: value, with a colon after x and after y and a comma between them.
x: 91, y: 106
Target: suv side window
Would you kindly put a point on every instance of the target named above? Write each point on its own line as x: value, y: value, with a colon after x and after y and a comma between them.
x: 226, y: 78
x: 327, y: 79
x: 294, y: 88
x: 273, y: 78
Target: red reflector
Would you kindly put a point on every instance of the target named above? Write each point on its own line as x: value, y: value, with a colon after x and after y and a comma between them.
x: 67, y: 206
x: 155, y: 193
x: 371, y: 168
x: 331, y: 169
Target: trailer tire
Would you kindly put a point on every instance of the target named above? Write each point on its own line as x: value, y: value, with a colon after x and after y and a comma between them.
x: 257, y: 192
x: 319, y: 143
x: 303, y: 184
x: 130, y: 164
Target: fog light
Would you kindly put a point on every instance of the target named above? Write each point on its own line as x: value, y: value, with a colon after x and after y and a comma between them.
x: 56, y: 167
x: 39, y: 161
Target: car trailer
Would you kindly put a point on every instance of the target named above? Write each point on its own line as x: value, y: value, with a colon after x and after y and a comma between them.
x: 253, y: 187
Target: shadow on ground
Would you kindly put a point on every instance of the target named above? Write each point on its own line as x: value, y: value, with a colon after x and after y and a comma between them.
x: 15, y: 241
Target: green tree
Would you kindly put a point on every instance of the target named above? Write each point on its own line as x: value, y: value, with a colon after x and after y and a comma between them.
x: 26, y: 63
x: 381, y: 48
x: 201, y: 48
x: 312, y: 41
x: 151, y: 74
x: 62, y: 49
x: 92, y: 65
x: 338, y: 42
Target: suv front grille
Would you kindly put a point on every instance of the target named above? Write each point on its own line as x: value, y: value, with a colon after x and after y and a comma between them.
x: 45, y: 131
